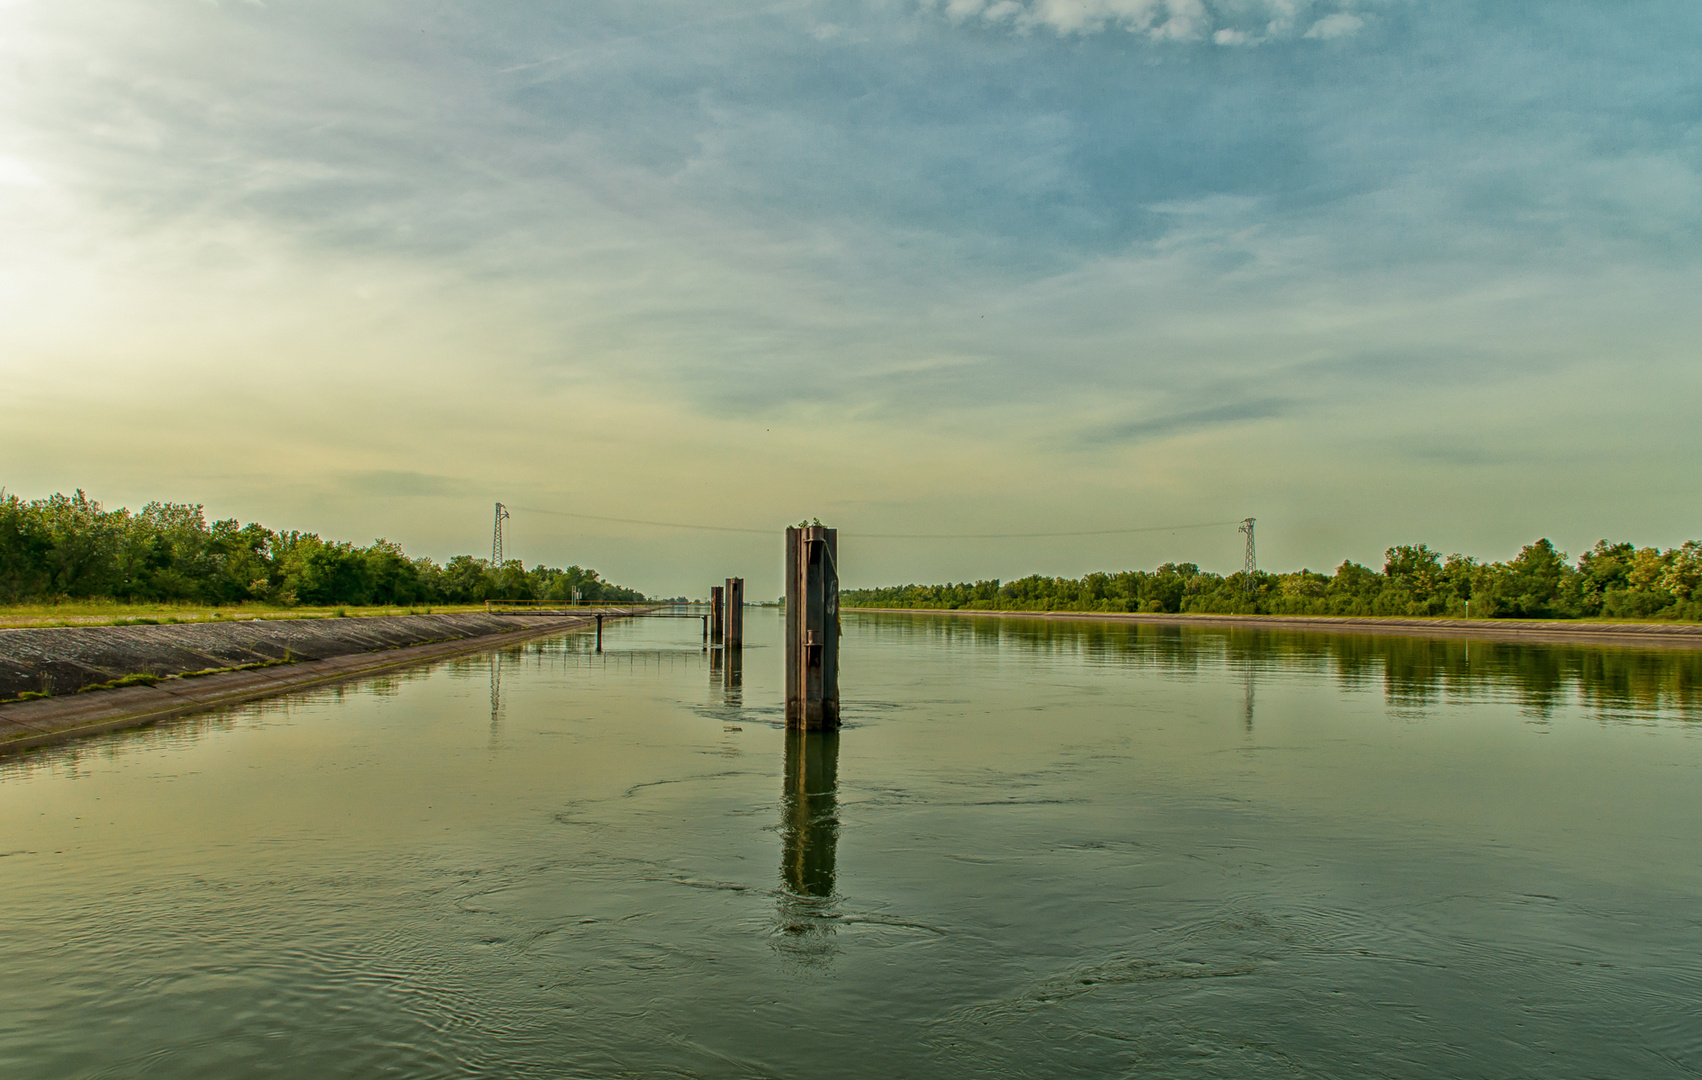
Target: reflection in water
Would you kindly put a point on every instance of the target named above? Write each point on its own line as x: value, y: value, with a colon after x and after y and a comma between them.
x: 810, y: 841
x: 496, y: 697
x: 1247, y: 696
x: 726, y: 671
x: 1068, y: 862
x: 1414, y: 673
x: 733, y: 677
x: 811, y: 808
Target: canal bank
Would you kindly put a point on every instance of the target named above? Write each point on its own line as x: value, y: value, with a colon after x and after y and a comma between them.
x: 105, y: 678
x: 1640, y: 635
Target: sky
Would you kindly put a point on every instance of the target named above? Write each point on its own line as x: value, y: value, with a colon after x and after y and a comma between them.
x: 1370, y: 271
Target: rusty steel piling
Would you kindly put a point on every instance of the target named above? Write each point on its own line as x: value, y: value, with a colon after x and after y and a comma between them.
x: 812, y: 628
x: 733, y: 614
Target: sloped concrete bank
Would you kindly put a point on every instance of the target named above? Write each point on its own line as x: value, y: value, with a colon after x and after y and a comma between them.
x: 1641, y: 635
x: 208, y: 665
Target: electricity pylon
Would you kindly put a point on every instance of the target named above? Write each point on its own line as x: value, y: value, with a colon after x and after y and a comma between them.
x: 496, y: 537
x: 1251, y: 566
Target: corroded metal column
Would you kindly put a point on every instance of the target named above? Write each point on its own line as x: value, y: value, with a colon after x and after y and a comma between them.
x: 812, y: 628
x: 717, y: 613
x: 733, y: 621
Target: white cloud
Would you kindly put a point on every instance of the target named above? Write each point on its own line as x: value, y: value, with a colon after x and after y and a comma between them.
x: 1223, y: 22
x: 14, y: 171
x: 958, y: 10
x: 1339, y: 24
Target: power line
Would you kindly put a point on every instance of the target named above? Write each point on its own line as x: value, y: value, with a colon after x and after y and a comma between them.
x: 886, y: 536
x: 1029, y: 536
x: 638, y: 521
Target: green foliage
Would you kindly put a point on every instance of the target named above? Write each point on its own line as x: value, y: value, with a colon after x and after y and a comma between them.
x: 1612, y: 580
x: 70, y: 547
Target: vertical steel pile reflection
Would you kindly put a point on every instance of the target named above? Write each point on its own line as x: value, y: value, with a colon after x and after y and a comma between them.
x: 732, y: 677
x: 810, y: 810
x: 812, y: 628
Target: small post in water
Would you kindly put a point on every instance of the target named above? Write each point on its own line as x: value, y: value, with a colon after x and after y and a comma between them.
x: 599, y: 631
x: 717, y: 613
x: 734, y: 598
x: 812, y: 628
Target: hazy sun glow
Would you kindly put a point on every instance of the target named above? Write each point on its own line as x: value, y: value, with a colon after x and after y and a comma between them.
x: 1375, y: 272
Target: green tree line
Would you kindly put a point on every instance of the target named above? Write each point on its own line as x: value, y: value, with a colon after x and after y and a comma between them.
x: 69, y: 546
x: 1614, y: 580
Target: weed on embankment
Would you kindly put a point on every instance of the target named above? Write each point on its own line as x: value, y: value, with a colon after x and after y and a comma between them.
x: 112, y: 613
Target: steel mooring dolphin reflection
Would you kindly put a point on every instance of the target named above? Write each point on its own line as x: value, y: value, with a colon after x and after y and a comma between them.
x: 810, y: 813
x: 727, y: 670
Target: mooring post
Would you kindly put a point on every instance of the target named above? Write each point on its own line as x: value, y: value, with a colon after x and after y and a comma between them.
x: 706, y: 633
x: 599, y: 631
x: 717, y: 612
x: 812, y: 628
x: 734, y: 598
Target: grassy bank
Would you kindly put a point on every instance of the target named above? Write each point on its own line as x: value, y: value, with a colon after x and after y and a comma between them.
x: 117, y: 613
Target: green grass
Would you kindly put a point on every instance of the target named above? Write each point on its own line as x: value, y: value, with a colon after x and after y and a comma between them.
x: 114, y: 613
x: 138, y: 679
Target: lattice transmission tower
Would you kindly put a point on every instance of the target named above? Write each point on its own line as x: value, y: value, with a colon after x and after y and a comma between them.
x: 1251, y: 566
x: 496, y: 536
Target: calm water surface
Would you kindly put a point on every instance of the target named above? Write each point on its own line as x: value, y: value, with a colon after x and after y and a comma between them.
x: 1037, y: 849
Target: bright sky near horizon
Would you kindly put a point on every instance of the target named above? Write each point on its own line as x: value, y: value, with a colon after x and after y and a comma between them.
x: 1374, y: 271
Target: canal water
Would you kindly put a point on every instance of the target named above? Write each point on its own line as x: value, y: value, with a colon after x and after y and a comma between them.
x: 1037, y: 849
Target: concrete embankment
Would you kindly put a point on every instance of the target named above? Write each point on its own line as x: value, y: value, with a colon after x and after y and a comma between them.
x: 1641, y: 635
x: 167, y: 671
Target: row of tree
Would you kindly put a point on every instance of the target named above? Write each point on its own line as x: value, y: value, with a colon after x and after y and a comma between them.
x: 1613, y: 580
x: 69, y: 546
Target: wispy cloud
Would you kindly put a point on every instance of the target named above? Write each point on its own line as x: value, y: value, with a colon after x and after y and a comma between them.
x: 399, y: 484
x: 1222, y: 22
x: 624, y: 245
x: 1336, y: 24
x: 1179, y: 423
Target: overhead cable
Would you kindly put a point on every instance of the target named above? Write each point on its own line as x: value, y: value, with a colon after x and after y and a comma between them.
x: 1030, y: 536
x: 637, y: 521
x: 885, y: 536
